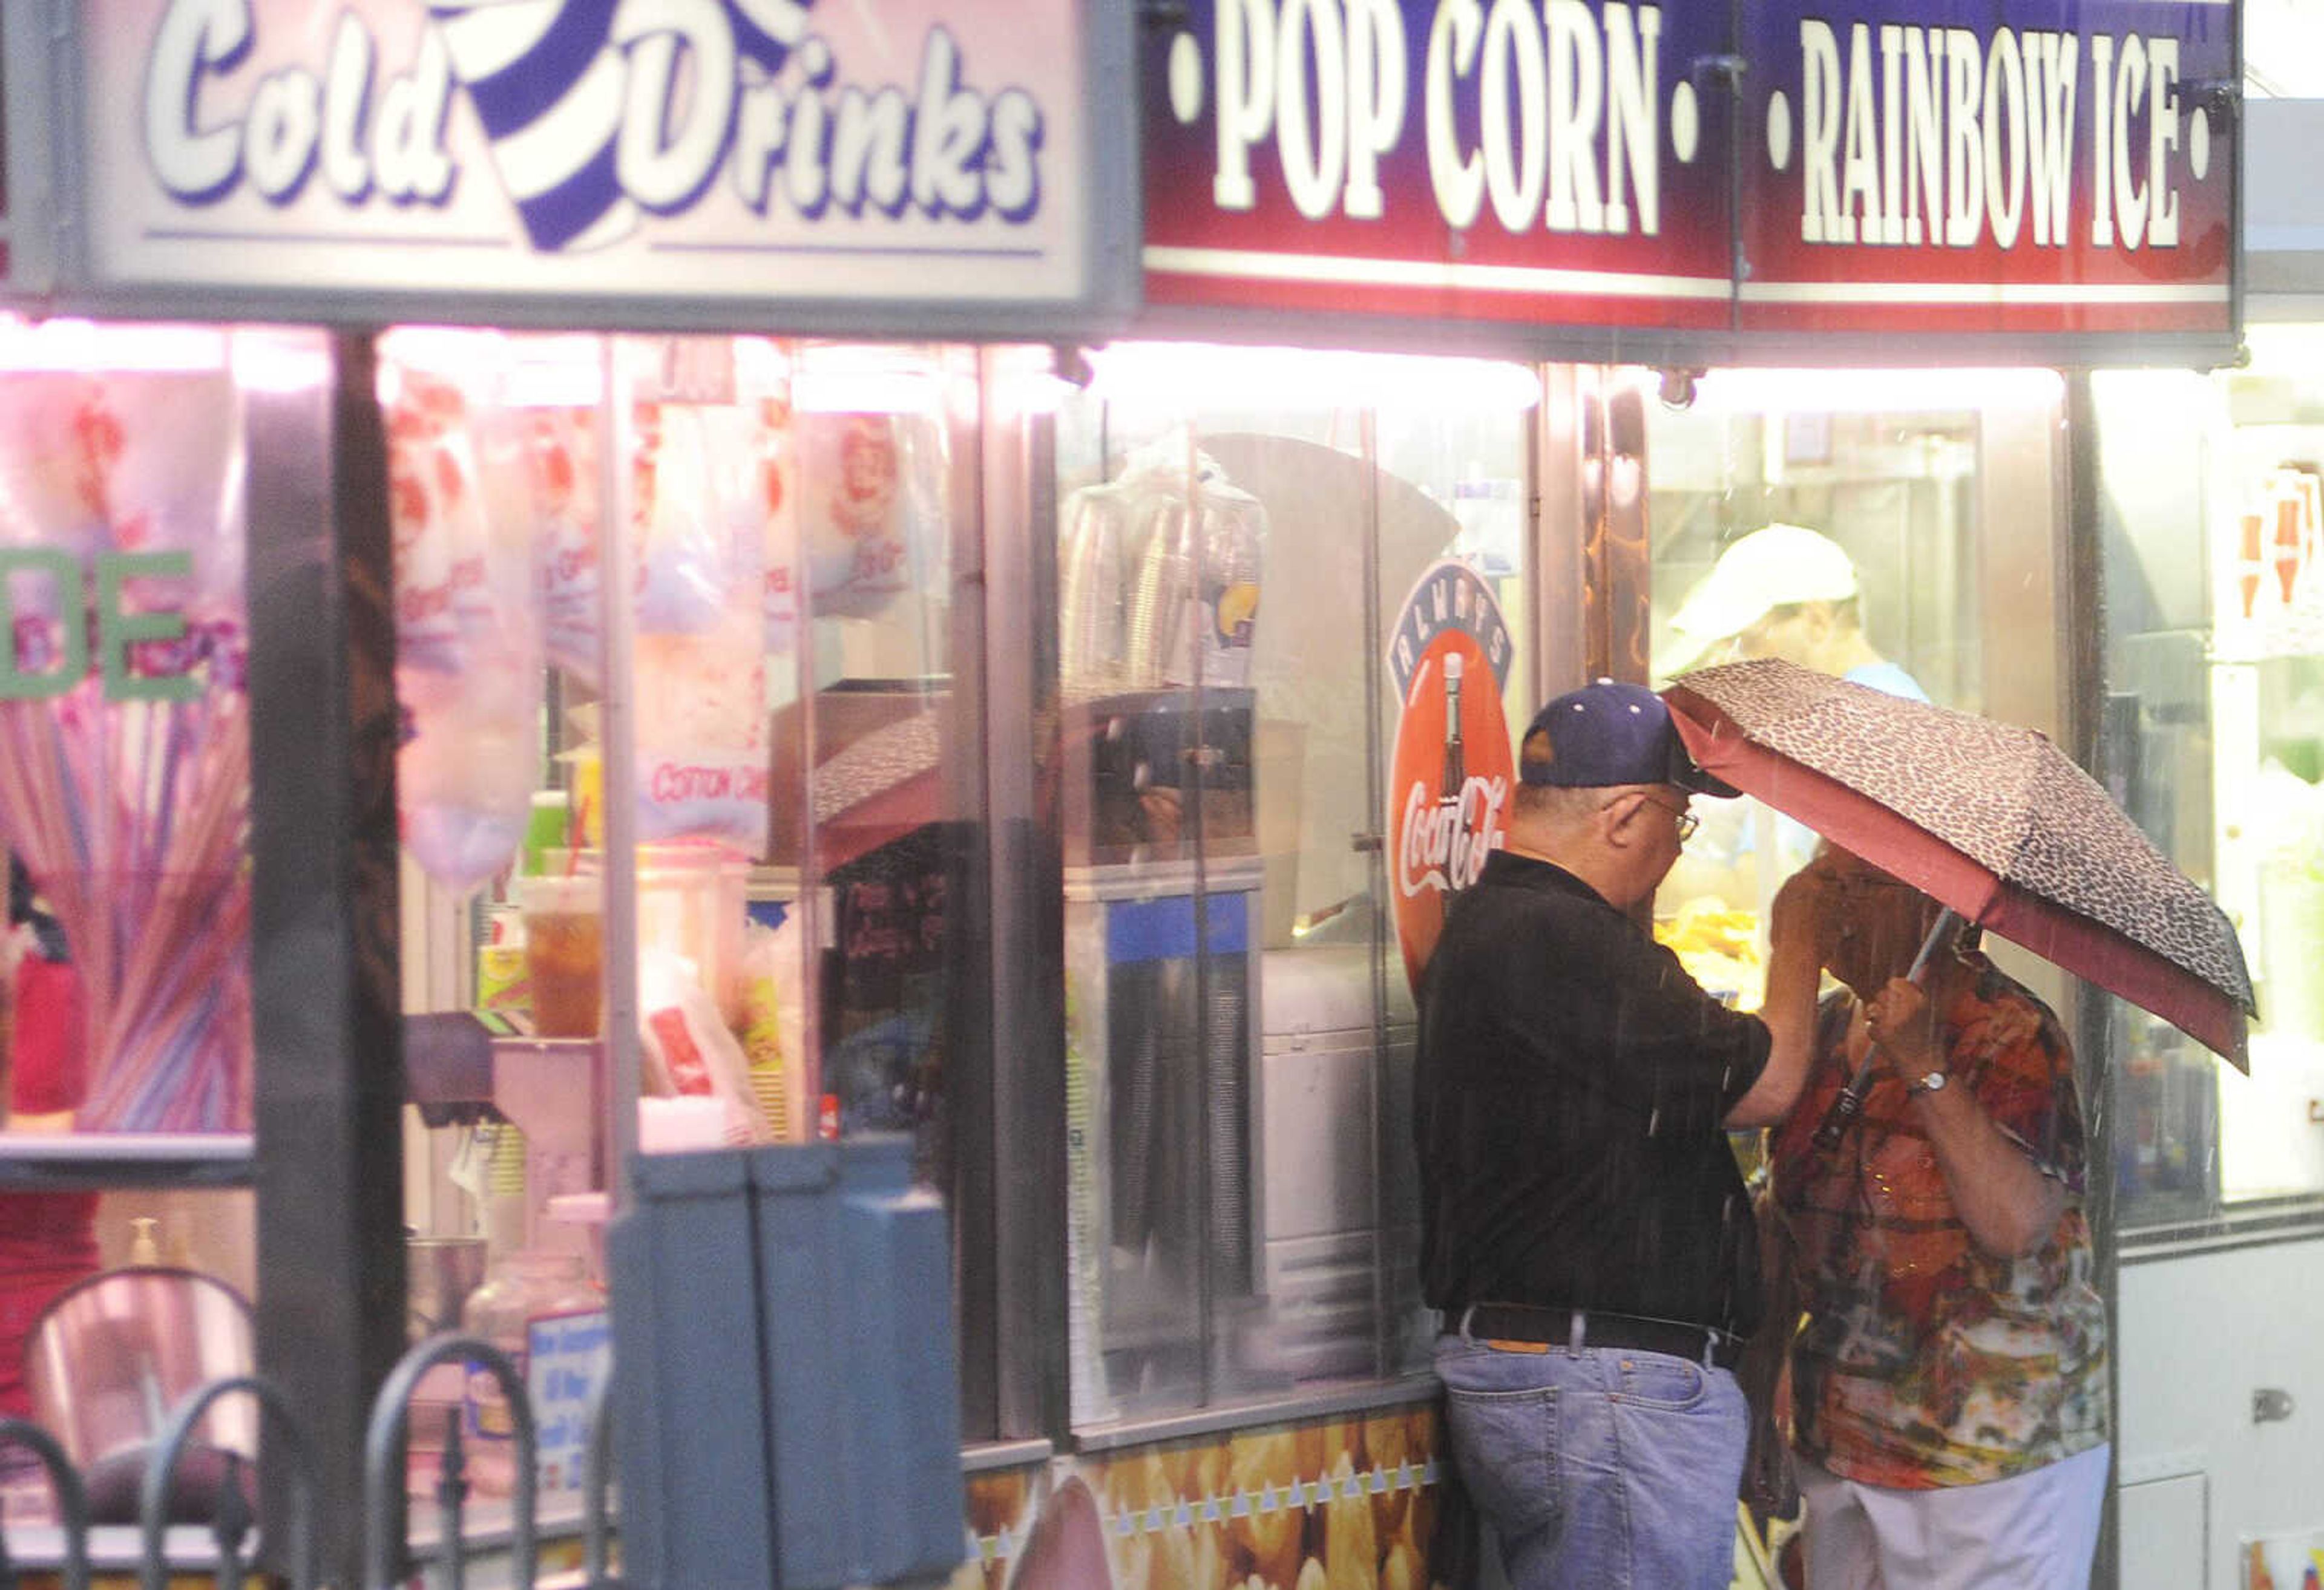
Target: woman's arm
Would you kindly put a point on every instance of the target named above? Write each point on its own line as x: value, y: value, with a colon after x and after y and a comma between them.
x: 2008, y: 1205
x: 1799, y: 943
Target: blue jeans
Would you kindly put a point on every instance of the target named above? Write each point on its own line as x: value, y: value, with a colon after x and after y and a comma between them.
x: 1605, y: 1469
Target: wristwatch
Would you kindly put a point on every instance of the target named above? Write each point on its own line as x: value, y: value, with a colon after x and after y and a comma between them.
x: 1928, y: 1082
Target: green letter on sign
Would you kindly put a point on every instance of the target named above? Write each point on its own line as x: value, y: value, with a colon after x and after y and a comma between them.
x: 116, y: 631
x: 64, y: 577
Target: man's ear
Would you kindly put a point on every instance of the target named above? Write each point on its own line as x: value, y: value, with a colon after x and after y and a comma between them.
x: 1618, y: 819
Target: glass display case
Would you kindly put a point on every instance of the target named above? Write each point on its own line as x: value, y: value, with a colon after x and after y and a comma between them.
x: 1238, y: 530
x: 2216, y: 721
x: 805, y: 799
x: 1933, y: 500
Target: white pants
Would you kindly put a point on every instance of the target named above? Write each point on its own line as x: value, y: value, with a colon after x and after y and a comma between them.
x: 2034, y: 1532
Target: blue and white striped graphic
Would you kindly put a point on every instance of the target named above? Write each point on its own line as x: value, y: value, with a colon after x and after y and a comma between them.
x: 547, y: 85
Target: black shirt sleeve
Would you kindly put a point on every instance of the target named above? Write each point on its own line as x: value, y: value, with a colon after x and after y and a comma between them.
x: 1596, y: 999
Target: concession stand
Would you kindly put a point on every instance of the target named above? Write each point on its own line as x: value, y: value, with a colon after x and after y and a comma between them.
x: 795, y: 615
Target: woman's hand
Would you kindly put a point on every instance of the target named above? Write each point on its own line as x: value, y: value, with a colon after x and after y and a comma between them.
x: 1905, y: 1027
x: 1807, y: 909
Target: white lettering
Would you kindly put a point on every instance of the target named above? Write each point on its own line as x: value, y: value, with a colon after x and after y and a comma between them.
x: 1964, y: 149
x: 286, y: 118
x: 2129, y: 92
x: 1925, y: 146
x: 1315, y: 160
x: 869, y: 157
x: 1012, y: 179
x: 664, y: 169
x: 1458, y: 180
x: 196, y: 38
x: 1244, y: 96
x: 937, y: 178
x: 1632, y: 152
x: 408, y: 152
x: 1820, y: 217
x: 1576, y: 91
x: 1513, y: 39
x: 1443, y: 845
x: 1892, y: 134
x: 948, y: 134
x: 760, y: 133
x: 346, y: 96
x: 2162, y: 137
x: 1376, y: 69
x: 689, y: 101
x: 1859, y: 179
x: 2005, y: 99
x: 2050, y: 79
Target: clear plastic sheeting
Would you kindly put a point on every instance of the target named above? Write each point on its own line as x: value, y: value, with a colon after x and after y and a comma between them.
x: 1236, y: 532
x: 123, y: 700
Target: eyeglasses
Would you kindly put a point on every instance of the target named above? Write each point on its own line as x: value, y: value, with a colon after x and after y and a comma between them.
x: 1687, y: 820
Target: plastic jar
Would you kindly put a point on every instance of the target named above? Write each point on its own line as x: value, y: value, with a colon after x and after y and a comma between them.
x: 522, y: 1287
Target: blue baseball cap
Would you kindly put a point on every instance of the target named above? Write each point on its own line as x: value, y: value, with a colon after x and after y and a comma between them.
x: 1605, y: 734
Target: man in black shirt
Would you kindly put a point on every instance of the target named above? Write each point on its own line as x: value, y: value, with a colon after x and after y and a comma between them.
x: 1584, y: 1228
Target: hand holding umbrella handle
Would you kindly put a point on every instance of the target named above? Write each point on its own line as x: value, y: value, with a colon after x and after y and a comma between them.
x: 1850, y: 1104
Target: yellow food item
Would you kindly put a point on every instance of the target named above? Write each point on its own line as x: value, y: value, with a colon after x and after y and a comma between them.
x: 1238, y: 605
x: 1718, y: 947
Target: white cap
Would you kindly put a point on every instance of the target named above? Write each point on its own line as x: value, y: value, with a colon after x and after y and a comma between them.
x: 1768, y: 568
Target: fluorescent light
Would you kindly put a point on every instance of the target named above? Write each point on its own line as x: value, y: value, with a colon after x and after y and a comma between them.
x: 63, y: 343
x: 266, y: 359
x: 1873, y: 391
x: 865, y: 377
x: 564, y: 371
x: 1187, y: 376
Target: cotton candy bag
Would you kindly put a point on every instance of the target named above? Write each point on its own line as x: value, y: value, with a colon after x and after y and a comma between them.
x: 468, y: 606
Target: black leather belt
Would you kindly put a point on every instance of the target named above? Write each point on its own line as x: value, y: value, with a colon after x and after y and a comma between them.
x: 1517, y: 1322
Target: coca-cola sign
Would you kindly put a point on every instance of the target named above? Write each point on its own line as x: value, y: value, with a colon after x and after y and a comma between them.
x: 1449, y: 776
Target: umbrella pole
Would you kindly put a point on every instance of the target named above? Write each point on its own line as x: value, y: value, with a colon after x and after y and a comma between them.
x: 1846, y: 1108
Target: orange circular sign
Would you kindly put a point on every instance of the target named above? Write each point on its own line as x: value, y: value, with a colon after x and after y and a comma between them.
x: 1449, y: 776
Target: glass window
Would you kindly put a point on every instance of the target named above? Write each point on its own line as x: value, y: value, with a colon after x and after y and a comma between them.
x: 1930, y: 497
x: 125, y: 801
x: 1238, y: 531
x: 2215, y: 718
x: 125, y: 709
x: 803, y: 790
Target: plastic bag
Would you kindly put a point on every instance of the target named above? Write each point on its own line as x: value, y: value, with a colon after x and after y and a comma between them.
x: 687, y: 563
x: 468, y: 633
x: 868, y: 494
x: 700, y: 665
x: 561, y: 456
x: 688, y: 1052
x: 776, y: 510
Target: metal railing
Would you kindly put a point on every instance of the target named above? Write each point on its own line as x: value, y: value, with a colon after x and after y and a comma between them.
x: 235, y: 1542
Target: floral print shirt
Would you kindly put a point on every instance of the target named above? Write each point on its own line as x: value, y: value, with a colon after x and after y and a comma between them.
x: 1920, y: 1360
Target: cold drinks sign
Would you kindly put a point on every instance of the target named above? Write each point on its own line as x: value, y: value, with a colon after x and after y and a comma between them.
x: 2012, y: 165
x: 756, y: 149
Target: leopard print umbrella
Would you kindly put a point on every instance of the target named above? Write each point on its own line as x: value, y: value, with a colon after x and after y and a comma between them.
x: 1991, y: 818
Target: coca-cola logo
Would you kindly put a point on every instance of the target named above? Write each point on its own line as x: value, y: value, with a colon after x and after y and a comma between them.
x: 1446, y: 841
x: 1448, y: 785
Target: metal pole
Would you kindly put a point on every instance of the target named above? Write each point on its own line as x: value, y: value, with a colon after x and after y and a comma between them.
x: 617, y: 770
